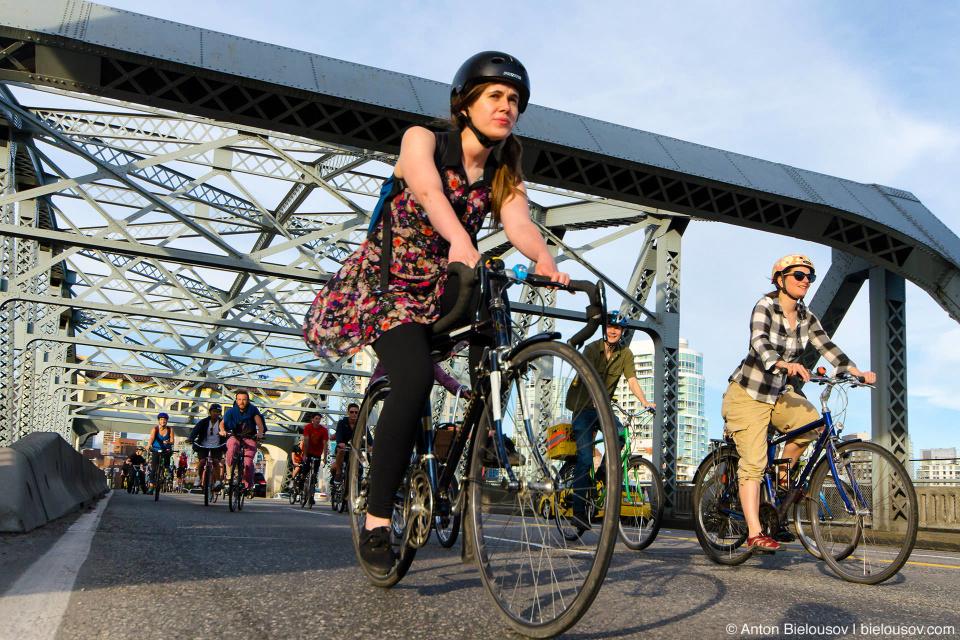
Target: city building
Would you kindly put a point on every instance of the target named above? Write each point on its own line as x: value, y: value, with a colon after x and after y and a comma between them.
x: 692, y: 428
x: 938, y: 466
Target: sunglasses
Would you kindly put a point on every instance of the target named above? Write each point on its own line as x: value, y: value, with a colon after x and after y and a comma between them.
x: 800, y: 275
x: 353, y: 411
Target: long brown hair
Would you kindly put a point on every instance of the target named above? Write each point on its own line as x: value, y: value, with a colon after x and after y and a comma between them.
x: 509, y: 176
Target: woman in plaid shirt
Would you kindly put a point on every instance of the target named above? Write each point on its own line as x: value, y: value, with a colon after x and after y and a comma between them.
x: 781, y: 327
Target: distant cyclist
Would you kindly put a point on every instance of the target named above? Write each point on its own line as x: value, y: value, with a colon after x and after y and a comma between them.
x: 612, y: 360
x: 296, y: 458
x: 161, y: 445
x: 343, y: 436
x: 208, y: 438
x: 137, y: 477
x: 244, y: 421
x: 314, y: 444
x: 181, y: 471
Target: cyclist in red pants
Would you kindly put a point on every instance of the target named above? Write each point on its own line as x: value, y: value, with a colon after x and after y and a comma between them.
x: 314, y: 443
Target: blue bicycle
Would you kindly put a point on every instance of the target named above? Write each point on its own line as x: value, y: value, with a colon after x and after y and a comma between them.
x: 855, y: 497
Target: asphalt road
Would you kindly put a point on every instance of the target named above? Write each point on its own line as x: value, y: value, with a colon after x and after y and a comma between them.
x: 176, y: 569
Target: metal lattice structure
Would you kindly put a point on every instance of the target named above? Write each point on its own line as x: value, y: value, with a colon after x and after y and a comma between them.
x: 163, y: 235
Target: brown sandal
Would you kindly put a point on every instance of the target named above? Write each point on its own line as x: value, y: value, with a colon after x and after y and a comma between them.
x: 762, y: 544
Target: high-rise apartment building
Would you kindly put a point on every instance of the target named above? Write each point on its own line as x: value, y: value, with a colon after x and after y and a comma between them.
x: 938, y: 466
x: 692, y: 436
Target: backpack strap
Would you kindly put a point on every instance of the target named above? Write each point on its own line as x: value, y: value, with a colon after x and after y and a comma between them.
x: 393, y: 186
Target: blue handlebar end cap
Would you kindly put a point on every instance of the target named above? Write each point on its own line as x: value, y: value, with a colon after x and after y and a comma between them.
x: 521, y: 271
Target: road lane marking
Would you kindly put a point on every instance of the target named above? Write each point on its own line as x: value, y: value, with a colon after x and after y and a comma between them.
x: 34, y: 606
x: 912, y: 555
x: 316, y: 513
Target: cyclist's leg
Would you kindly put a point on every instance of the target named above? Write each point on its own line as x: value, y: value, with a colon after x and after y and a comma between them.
x: 747, y: 420
x: 792, y: 411
x: 249, y: 454
x: 583, y: 427
x: 232, y: 445
x: 405, y: 354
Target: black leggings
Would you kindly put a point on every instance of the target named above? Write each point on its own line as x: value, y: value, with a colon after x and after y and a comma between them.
x: 404, y: 352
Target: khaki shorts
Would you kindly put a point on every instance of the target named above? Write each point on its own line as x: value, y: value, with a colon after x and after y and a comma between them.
x: 747, y: 421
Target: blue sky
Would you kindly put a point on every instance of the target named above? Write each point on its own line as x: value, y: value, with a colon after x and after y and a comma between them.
x: 865, y: 91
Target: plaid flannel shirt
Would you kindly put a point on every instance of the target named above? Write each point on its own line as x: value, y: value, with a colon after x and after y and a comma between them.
x: 771, y: 340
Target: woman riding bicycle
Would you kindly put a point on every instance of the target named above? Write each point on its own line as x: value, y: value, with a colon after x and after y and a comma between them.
x: 758, y: 396
x: 161, y: 445
x: 435, y: 219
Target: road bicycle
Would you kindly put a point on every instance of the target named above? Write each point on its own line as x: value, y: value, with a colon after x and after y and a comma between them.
x: 338, y: 490
x: 641, y: 494
x: 135, y: 481
x: 309, y: 486
x: 236, y: 494
x: 854, y: 497
x: 158, y: 472
x: 540, y: 581
x: 206, y: 475
x: 296, y: 485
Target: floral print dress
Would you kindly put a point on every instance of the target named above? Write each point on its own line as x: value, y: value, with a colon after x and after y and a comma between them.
x: 351, y: 311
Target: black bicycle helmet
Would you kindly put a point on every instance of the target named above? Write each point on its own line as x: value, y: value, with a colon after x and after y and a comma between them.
x: 492, y: 66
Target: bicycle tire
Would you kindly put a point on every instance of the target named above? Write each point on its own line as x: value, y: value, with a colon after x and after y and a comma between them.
x: 342, y: 492
x: 447, y: 525
x: 311, y: 489
x: 718, y: 519
x: 334, y: 495
x: 206, y: 486
x: 546, y: 597
x: 641, y: 508
x: 293, y: 493
x: 886, y: 518
x: 232, y: 495
x: 358, y: 488
x: 157, y: 485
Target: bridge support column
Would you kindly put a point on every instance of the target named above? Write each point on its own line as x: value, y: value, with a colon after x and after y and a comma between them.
x: 666, y: 365
x: 275, y: 468
x: 888, y: 354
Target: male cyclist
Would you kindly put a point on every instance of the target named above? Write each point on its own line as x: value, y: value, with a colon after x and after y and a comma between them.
x: 207, y: 440
x: 296, y: 457
x: 611, y: 359
x: 137, y: 477
x: 314, y: 444
x: 244, y: 421
x: 343, y: 436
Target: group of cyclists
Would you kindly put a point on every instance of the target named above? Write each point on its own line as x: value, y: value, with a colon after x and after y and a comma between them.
x: 391, y: 290
x: 217, y: 436
x: 396, y: 284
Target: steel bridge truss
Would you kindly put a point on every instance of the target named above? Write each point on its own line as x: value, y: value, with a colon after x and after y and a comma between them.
x: 159, y: 261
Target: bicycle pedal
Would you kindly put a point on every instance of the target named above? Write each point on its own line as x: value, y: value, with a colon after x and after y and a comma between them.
x: 784, y: 536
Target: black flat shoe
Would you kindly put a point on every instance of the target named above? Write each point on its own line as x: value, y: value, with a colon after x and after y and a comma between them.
x: 375, y: 549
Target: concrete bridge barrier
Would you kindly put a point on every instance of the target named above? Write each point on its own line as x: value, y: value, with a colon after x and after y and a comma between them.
x: 44, y: 478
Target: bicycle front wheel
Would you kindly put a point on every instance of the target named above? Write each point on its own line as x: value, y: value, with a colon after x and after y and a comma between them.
x: 233, y: 493
x: 541, y: 581
x: 358, y: 488
x: 206, y: 487
x: 718, y: 518
x: 641, y: 506
x: 873, y: 507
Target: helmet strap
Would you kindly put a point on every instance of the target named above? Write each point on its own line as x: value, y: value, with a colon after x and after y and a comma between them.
x: 481, y: 138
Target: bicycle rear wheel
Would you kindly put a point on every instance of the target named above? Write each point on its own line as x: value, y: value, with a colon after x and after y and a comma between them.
x: 358, y: 486
x: 641, y: 507
x: 718, y: 518
x: 541, y: 582
x: 882, y: 522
